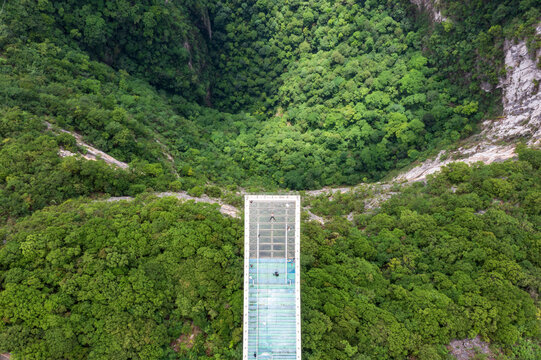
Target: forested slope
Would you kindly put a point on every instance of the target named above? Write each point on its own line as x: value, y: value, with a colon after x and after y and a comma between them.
x: 164, y: 43
x: 260, y: 93
x: 207, y: 96
x: 455, y: 258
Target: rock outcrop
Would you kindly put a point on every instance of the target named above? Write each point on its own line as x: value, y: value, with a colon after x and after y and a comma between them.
x: 91, y: 152
x: 521, y: 96
x: 521, y: 118
x: 432, y: 7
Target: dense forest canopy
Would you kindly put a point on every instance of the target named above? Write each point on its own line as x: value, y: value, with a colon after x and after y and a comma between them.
x: 209, y: 96
x: 456, y: 258
x: 260, y: 93
x: 155, y: 40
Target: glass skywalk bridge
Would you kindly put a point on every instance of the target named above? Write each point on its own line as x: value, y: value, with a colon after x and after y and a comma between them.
x: 272, y: 278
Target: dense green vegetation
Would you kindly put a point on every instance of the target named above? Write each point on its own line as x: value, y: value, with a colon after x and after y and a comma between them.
x: 346, y: 85
x: 301, y: 95
x: 159, y: 42
x: 468, y: 46
x: 33, y: 175
x: 455, y: 258
x: 120, y: 281
x: 206, y: 96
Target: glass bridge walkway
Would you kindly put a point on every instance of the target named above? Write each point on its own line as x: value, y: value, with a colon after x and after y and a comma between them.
x: 271, y: 293
x: 272, y: 310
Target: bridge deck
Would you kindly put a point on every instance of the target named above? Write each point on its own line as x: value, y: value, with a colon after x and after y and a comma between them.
x: 271, y: 284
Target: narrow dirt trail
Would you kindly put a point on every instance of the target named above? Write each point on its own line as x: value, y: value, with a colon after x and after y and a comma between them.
x: 382, y: 192
x: 225, y: 209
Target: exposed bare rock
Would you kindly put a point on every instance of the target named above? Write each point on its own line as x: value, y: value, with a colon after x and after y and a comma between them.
x: 229, y: 210
x: 65, y: 153
x: 225, y: 209
x: 432, y: 7
x: 486, y: 86
x: 329, y: 190
x: 118, y: 198
x: 374, y: 202
x: 94, y: 154
x: 521, y: 95
x: 313, y: 216
x: 185, y: 340
x: 467, y: 349
x: 486, y: 153
x: 521, y: 117
x: 91, y: 152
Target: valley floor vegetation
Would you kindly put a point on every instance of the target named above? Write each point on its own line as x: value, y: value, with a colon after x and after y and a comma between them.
x: 259, y: 94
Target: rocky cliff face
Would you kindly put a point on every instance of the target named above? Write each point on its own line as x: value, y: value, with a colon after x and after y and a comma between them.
x: 521, y: 118
x: 520, y: 87
x: 521, y: 96
x: 431, y: 6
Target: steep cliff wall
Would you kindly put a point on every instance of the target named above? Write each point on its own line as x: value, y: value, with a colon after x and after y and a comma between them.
x: 520, y: 121
x: 521, y: 96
